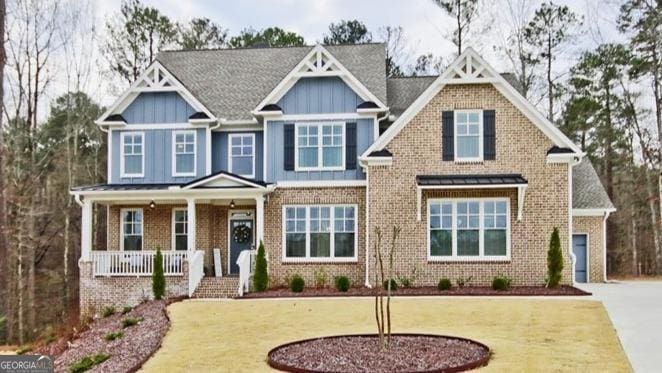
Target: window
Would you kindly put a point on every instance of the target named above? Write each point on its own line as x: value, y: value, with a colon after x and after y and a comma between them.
x: 179, y: 229
x: 132, y: 160
x: 132, y: 229
x: 322, y: 233
x: 469, y: 229
x: 468, y: 135
x: 183, y: 145
x: 242, y: 154
x: 320, y: 146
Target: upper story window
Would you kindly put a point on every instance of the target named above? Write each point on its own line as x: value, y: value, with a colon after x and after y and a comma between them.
x: 183, y: 145
x: 132, y: 161
x: 320, y: 146
x: 469, y: 229
x: 241, y: 160
x: 468, y: 135
x: 132, y: 229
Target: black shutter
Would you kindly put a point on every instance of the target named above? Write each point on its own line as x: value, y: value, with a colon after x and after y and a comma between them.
x: 350, y: 146
x: 288, y: 146
x: 447, y: 138
x: 489, y: 135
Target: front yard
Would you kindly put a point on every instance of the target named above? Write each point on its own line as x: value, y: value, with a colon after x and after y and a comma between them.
x: 532, y: 335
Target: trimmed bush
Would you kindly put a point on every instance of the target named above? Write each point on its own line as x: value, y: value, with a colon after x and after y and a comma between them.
x: 463, y: 281
x: 297, y: 284
x: 113, y: 336
x: 130, y: 321
x: 158, y: 278
x: 320, y: 278
x: 126, y: 310
x: 342, y: 283
x: 444, y: 284
x: 501, y: 283
x: 406, y: 282
x: 260, y: 277
x: 554, y: 260
x: 88, y: 362
x: 108, y: 311
x: 394, y: 284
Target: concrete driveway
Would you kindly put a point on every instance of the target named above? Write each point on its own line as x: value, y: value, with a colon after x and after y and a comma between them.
x: 635, y: 309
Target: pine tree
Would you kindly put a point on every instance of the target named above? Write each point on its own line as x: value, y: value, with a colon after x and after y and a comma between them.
x: 158, y: 278
x: 554, y: 260
x: 260, y: 277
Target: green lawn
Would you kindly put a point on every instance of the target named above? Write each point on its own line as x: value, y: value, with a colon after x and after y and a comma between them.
x: 524, y: 335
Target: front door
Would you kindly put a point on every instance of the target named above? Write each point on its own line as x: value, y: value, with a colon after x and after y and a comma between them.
x: 579, y: 249
x: 241, y: 238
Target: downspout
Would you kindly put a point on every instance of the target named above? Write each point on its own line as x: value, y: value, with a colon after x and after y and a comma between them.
x: 575, y: 161
x: 367, y: 225
x: 604, y: 245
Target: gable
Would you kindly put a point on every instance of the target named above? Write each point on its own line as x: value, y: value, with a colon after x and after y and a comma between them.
x: 158, y: 107
x: 319, y: 95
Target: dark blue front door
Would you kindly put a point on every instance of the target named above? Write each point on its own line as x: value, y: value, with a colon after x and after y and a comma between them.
x: 579, y: 249
x: 239, y: 240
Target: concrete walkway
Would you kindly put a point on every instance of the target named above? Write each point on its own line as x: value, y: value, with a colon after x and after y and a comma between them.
x: 635, y: 309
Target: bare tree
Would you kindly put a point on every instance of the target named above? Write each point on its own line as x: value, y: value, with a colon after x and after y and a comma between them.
x: 397, y: 50
x: 384, y: 278
x: 463, y: 12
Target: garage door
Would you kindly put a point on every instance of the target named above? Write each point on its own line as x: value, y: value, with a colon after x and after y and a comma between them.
x: 579, y: 249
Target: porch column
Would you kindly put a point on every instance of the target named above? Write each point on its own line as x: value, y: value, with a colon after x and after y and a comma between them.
x: 259, y: 220
x: 190, y: 214
x: 86, y: 231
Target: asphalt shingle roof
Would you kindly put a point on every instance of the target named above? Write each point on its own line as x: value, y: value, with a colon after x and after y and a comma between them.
x: 232, y: 82
x: 402, y: 92
x: 587, y: 189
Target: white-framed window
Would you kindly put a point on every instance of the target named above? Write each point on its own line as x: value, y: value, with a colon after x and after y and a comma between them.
x: 241, y: 154
x: 179, y: 229
x: 131, y: 229
x: 468, y: 135
x: 319, y: 146
x: 320, y: 233
x: 183, y: 153
x: 469, y: 229
x: 132, y: 159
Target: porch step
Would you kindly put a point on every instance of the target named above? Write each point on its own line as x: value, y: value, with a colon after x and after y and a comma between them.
x: 217, y: 287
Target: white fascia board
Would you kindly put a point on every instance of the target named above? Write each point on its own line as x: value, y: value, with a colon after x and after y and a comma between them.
x: 372, y: 110
x: 375, y: 161
x: 267, y: 114
x: 223, y: 176
x: 166, y: 194
x: 564, y: 157
x: 592, y: 212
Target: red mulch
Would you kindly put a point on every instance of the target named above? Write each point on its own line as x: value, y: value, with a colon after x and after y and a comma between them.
x: 408, y: 353
x: 127, y: 354
x: 422, y: 291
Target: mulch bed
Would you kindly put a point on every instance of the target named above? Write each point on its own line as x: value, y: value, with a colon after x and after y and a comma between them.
x: 422, y: 291
x: 361, y: 353
x: 127, y: 354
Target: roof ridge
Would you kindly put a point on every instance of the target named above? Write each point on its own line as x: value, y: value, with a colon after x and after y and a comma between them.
x: 413, y: 77
x: 266, y: 48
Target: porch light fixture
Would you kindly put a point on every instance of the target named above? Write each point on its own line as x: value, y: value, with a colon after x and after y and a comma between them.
x: 232, y: 204
x: 152, y: 205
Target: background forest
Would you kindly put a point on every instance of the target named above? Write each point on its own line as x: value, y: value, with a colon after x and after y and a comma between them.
x: 607, y: 98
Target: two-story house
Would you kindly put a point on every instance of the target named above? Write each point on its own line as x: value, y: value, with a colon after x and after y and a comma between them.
x: 311, y: 150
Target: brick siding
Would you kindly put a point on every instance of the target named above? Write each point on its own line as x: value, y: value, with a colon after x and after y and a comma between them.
x: 593, y: 226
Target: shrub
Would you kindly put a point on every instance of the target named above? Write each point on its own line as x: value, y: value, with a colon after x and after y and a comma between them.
x: 260, y: 277
x: 88, y: 362
x: 501, y: 282
x: 554, y: 260
x: 158, y: 278
x: 394, y: 284
x: 126, y: 310
x: 342, y: 283
x: 113, y: 336
x: 444, y: 284
x: 297, y: 284
x: 130, y: 321
x: 108, y: 311
x: 463, y: 281
x: 406, y: 282
x: 320, y: 278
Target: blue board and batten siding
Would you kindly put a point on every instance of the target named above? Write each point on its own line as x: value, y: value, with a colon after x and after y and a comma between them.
x: 158, y: 107
x: 219, y: 152
x: 158, y: 158
x: 319, y: 96
x: 365, y: 130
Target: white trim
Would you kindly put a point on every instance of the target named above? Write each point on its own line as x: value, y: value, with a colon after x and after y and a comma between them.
x: 268, y: 113
x: 242, y: 128
x: 375, y: 161
x: 201, y: 121
x: 322, y: 184
x: 222, y: 176
x: 371, y: 111
x: 208, y: 151
x: 481, y: 140
x: 265, y: 153
x: 332, y: 67
x: 109, y: 157
x: 142, y: 226
x: 564, y: 157
x: 367, y: 228
x: 320, y: 146
x: 173, y: 233
x: 331, y: 258
x: 481, y: 229
x: 470, y: 57
x: 173, y: 153
x: 169, y: 195
x: 592, y: 212
x: 254, y: 146
x: 329, y: 116
x: 253, y: 230
x: 588, y: 253
x: 142, y: 154
x: 160, y: 126
x: 237, y: 122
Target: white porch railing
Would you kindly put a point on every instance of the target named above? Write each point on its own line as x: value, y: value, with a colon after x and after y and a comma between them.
x: 246, y: 263
x: 195, y: 270
x: 136, y: 263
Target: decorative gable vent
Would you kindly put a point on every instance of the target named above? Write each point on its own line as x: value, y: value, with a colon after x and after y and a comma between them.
x: 156, y: 80
x: 320, y: 63
x: 469, y: 68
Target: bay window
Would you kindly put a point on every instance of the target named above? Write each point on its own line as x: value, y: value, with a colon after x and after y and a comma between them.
x: 319, y: 233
